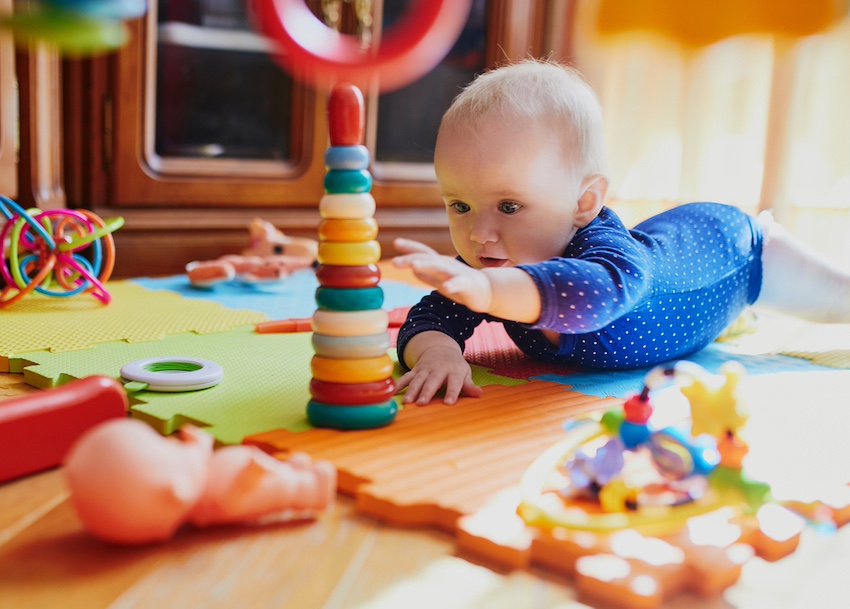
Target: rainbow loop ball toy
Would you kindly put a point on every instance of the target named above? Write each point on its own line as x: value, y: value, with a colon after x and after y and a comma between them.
x: 352, y: 385
x: 59, y: 252
x: 74, y: 27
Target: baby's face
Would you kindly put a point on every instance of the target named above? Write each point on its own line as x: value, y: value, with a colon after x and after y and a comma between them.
x: 508, y: 192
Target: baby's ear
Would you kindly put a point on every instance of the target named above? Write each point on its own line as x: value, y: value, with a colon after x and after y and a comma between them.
x: 594, y: 189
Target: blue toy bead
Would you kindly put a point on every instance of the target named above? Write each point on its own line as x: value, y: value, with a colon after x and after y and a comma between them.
x: 351, y: 417
x: 668, y: 447
x: 634, y: 434
x: 347, y: 157
x: 102, y: 9
x: 347, y: 181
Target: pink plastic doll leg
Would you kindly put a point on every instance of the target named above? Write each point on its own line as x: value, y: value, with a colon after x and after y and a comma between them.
x: 250, y: 486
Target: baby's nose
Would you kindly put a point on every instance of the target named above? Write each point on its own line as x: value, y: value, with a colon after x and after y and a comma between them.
x: 483, y: 231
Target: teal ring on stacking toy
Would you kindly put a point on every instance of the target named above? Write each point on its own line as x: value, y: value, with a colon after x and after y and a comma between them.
x: 347, y: 157
x: 351, y: 417
x: 348, y: 299
x: 348, y: 181
x: 351, y: 347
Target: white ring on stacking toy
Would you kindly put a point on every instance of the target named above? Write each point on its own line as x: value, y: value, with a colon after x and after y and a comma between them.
x: 341, y: 347
x: 173, y: 374
x: 359, y: 205
x: 350, y: 323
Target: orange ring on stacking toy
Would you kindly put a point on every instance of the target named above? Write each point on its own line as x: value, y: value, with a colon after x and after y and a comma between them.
x: 350, y: 323
x: 314, y: 53
x: 351, y: 371
x: 356, y: 253
x: 348, y: 229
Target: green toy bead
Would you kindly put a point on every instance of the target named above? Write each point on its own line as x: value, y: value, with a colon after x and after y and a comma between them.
x: 347, y: 181
x: 342, y: 299
x: 351, y: 417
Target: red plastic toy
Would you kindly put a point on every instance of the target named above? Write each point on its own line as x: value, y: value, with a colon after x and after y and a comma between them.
x: 37, y: 430
x: 320, y: 56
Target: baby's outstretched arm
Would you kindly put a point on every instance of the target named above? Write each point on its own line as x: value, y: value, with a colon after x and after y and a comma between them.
x: 505, y: 292
x: 435, y: 359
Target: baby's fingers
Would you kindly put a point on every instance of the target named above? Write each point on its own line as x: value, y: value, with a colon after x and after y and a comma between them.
x: 458, y: 383
x: 430, y: 269
x: 421, y: 387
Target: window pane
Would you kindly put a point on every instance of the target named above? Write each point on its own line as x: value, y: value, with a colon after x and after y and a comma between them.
x: 408, y: 119
x: 218, y: 93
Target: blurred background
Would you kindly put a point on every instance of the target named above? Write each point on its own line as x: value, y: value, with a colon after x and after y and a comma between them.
x: 190, y: 130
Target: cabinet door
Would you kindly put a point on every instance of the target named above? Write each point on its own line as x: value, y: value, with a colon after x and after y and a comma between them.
x: 8, y: 112
x: 202, y: 116
x: 194, y: 130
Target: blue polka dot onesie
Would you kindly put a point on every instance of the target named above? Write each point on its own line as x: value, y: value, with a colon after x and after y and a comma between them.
x: 627, y: 299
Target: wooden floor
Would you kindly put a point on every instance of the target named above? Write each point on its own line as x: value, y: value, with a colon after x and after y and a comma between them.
x: 343, y: 560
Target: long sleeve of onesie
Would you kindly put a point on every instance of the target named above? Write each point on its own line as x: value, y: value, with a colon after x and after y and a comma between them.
x: 626, y: 299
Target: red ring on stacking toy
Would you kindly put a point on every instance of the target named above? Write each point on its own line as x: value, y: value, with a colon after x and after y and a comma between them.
x: 330, y: 276
x: 320, y: 56
x: 352, y: 394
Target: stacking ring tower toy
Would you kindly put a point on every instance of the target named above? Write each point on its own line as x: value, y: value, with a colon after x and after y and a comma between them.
x: 352, y: 385
x: 58, y: 252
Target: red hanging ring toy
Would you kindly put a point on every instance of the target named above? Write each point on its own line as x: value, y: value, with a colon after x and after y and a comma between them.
x: 320, y: 56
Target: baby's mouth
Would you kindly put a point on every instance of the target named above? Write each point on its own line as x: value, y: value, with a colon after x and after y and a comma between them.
x: 492, y: 262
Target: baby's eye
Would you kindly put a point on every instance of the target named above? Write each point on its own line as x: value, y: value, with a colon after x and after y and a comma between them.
x: 459, y: 206
x: 509, y: 207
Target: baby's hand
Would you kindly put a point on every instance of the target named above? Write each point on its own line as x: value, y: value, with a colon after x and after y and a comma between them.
x: 435, y: 368
x: 450, y: 277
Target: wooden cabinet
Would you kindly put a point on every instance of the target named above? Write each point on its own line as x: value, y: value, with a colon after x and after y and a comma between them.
x: 190, y: 131
x: 8, y: 112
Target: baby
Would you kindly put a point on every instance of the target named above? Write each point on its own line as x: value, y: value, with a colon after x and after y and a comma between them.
x: 520, y: 163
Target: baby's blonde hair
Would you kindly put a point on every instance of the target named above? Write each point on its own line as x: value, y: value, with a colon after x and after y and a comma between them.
x: 538, y: 90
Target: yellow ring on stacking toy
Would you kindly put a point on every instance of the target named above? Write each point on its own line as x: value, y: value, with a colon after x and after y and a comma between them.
x: 359, y: 205
x: 350, y: 323
x: 350, y: 371
x: 348, y: 229
x: 338, y: 253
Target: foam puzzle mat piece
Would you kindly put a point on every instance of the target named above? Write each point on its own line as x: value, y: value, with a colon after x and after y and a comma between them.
x: 456, y: 468
x: 823, y: 344
x: 622, y: 383
x: 265, y: 383
x: 265, y: 386
x: 135, y: 314
x: 436, y: 463
x: 491, y: 348
x: 292, y: 297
